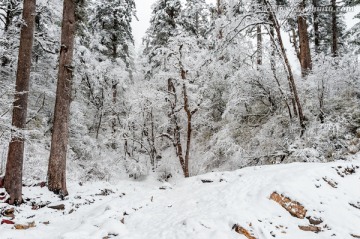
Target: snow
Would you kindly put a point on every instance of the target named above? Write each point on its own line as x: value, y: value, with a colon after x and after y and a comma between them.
x: 201, y: 207
x: 142, y: 20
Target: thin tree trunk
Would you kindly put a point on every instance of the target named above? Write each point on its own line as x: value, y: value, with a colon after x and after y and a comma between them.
x: 305, y: 56
x: 59, y: 140
x: 114, y: 87
x: 189, y: 114
x: 14, y: 166
x: 316, y: 26
x: 287, y: 64
x: 188, y: 133
x: 272, y: 64
x: 273, y: 68
x: 259, y: 45
x: 334, y: 46
x: 295, y: 43
x: 113, y: 121
x: 176, y: 131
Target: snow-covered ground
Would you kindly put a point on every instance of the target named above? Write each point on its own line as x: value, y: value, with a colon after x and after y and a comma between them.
x: 205, y: 206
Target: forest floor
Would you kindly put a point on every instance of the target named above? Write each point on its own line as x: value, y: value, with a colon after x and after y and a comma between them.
x: 324, y: 201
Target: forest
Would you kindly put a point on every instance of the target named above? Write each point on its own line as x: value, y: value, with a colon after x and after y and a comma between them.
x: 213, y: 86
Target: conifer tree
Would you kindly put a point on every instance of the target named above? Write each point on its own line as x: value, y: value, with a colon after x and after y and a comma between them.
x: 196, y: 18
x: 14, y: 166
x: 164, y: 24
x: 60, y: 134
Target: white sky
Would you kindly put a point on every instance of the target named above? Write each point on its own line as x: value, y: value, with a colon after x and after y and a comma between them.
x: 143, y: 8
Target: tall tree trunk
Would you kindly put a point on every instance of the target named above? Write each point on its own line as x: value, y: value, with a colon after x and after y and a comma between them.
x: 316, y: 26
x: 334, y: 46
x: 114, y: 101
x: 59, y: 140
x: 189, y: 115
x: 293, y: 40
x: 14, y: 166
x: 287, y: 64
x: 305, y: 56
x: 114, y: 85
x: 259, y: 45
x: 273, y: 68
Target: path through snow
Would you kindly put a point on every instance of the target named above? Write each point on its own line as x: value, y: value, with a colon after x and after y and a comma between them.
x: 198, y: 209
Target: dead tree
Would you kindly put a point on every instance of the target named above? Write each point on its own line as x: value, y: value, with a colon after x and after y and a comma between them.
x: 14, y: 166
x: 60, y: 134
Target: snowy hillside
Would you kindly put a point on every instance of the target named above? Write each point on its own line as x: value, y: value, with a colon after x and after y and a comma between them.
x: 215, y: 205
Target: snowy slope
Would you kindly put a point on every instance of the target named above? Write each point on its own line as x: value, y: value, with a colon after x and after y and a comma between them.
x: 191, y: 208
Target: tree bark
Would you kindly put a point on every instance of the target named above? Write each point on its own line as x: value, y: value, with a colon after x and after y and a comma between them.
x: 176, y: 130
x: 59, y: 140
x: 259, y: 45
x: 113, y: 121
x: 334, y: 47
x: 305, y: 56
x: 316, y: 27
x: 14, y: 166
x: 287, y: 64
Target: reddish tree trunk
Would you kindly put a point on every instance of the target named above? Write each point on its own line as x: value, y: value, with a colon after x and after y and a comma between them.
x: 59, y: 140
x: 14, y: 166
x: 305, y: 56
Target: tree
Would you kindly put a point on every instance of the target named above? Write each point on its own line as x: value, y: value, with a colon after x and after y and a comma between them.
x: 305, y: 56
x: 315, y: 4
x: 175, y: 41
x: 328, y: 26
x: 59, y: 140
x: 164, y: 24
x: 10, y: 11
x: 112, y: 22
x: 195, y: 18
x: 14, y: 166
x: 283, y: 53
x: 334, y: 44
